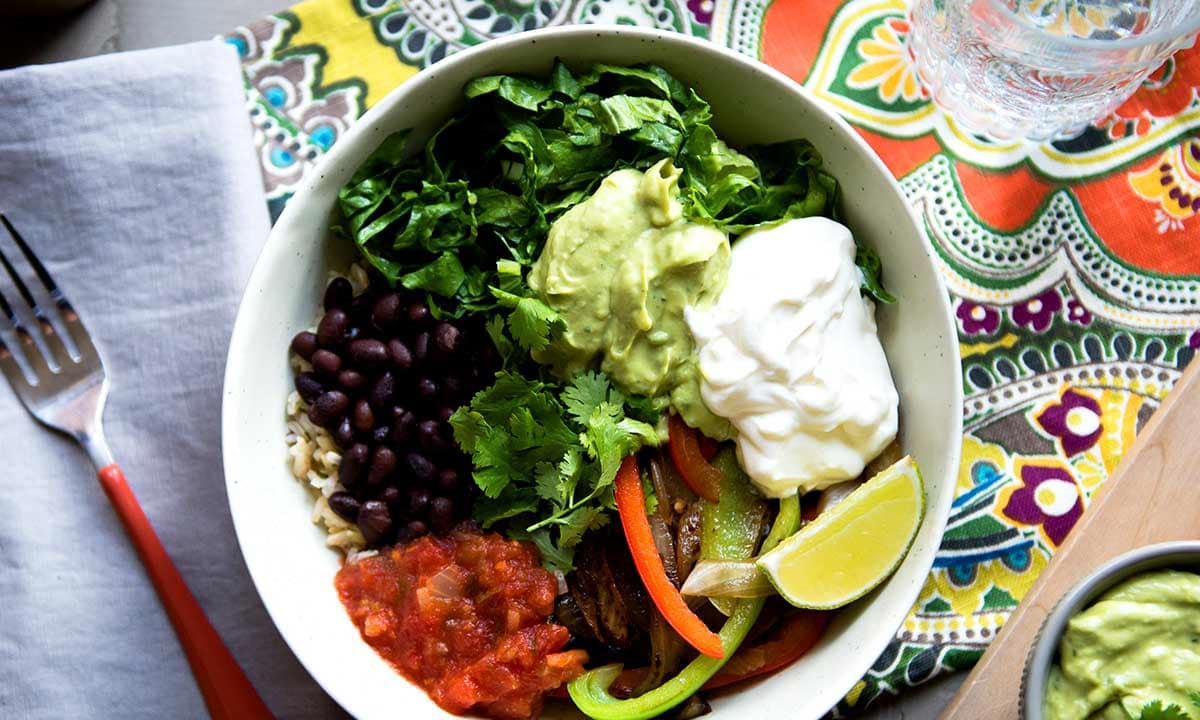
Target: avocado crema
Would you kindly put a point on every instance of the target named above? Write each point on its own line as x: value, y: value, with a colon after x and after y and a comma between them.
x: 620, y: 267
x: 1140, y: 642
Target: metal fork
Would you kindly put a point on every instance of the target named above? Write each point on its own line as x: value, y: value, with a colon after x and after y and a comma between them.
x: 66, y: 392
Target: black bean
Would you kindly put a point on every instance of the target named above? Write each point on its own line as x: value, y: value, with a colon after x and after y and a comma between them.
x: 364, y: 417
x: 421, y: 346
x: 404, y: 426
x: 353, y: 333
x: 317, y: 417
x: 451, y: 388
x: 488, y: 355
x: 305, y: 344
x: 386, y: 312
x: 354, y: 462
x: 446, y: 337
x: 427, y: 388
x: 369, y: 354
x: 328, y: 408
x: 441, y: 513
x: 308, y: 386
x: 352, y: 381
x: 383, y: 464
x: 381, y: 434
x: 448, y: 480
x: 344, y: 434
x: 418, y: 501
x: 344, y: 504
x: 418, y: 314
x: 399, y: 354
x: 375, y: 521
x: 327, y: 363
x: 444, y: 413
x: 416, y: 528
x: 419, y: 466
x: 383, y: 392
x: 389, y: 495
x: 338, y: 294
x: 331, y: 331
x: 429, y: 434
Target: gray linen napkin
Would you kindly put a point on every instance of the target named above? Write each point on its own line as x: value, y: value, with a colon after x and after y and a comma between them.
x: 134, y: 178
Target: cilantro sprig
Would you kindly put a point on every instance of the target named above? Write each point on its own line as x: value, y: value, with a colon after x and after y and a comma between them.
x: 1155, y: 710
x: 546, y: 456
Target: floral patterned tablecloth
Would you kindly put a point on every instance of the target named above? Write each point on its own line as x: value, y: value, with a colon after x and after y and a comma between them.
x: 1074, y: 266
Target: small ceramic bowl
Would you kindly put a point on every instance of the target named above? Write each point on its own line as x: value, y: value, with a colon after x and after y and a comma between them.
x: 1177, y: 555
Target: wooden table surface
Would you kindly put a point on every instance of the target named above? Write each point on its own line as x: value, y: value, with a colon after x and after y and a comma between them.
x: 117, y: 25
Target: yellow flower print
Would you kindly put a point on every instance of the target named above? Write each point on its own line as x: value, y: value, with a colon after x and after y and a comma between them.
x: 887, y: 64
x: 1174, y: 183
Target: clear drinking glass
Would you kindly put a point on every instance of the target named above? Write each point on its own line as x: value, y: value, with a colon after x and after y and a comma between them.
x: 1043, y: 69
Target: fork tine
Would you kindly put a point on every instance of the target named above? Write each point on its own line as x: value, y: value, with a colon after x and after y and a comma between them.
x: 8, y: 363
x: 28, y: 348
x: 49, y: 334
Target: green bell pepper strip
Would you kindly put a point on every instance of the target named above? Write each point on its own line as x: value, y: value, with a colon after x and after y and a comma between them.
x: 730, y: 528
x: 590, y: 690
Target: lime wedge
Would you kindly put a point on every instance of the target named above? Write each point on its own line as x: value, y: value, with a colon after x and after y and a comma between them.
x: 852, y: 547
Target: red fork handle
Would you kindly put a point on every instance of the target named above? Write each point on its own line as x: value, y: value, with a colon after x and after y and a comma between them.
x: 226, y: 690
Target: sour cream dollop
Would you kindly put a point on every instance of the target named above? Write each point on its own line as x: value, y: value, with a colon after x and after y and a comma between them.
x: 790, y: 355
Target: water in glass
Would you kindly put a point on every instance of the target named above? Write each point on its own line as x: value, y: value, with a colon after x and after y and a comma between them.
x: 1042, y: 69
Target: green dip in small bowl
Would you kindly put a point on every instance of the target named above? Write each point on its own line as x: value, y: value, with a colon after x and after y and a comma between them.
x: 1124, y: 638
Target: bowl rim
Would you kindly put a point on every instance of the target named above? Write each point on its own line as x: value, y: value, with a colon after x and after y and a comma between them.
x: 1083, y: 593
x: 316, y: 180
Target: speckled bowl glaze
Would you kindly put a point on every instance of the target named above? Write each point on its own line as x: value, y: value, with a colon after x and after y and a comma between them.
x: 1177, y: 555
x: 285, y: 553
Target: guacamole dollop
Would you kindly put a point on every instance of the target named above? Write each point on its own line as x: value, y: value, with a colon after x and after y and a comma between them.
x: 1139, y: 643
x: 620, y: 268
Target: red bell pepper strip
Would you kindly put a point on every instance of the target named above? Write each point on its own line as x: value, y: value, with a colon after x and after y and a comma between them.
x: 688, y: 456
x: 787, y: 644
x: 631, y: 505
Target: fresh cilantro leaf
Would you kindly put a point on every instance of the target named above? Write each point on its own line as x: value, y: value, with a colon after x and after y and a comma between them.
x: 554, y: 556
x: 489, y: 511
x: 495, y: 330
x: 468, y: 428
x: 578, y: 522
x: 570, y: 468
x: 587, y: 391
x: 548, y: 483
x: 1155, y: 710
x: 1194, y: 696
x: 532, y: 322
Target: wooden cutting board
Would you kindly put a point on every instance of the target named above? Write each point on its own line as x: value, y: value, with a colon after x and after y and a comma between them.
x: 1154, y: 496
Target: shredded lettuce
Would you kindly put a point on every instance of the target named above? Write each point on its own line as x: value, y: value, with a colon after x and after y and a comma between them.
x: 494, y: 177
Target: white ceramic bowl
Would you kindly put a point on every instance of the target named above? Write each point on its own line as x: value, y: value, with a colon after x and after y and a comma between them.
x: 286, y: 555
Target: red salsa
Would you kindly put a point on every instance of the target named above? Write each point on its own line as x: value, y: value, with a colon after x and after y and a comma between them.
x: 465, y: 617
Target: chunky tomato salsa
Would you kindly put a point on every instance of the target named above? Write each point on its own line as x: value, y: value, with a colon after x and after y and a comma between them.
x: 465, y: 617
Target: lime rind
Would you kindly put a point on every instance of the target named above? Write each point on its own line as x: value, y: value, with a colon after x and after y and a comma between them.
x: 819, y: 532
